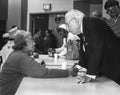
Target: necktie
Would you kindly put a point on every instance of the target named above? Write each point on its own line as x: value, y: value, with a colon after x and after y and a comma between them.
x: 81, y: 41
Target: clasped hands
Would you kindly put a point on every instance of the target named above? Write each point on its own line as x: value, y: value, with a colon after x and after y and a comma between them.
x: 84, y: 79
x: 81, y: 78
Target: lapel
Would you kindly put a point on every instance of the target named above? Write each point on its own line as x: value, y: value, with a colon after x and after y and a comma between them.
x: 84, y: 36
x: 87, y: 30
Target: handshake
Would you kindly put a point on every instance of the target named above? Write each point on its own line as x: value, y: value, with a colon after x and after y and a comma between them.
x: 83, y: 78
x: 73, y: 71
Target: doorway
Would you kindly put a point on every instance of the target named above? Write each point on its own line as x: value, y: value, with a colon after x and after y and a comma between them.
x: 44, y: 21
x: 38, y: 22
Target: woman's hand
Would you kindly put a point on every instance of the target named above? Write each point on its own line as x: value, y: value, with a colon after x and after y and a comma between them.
x: 73, y: 71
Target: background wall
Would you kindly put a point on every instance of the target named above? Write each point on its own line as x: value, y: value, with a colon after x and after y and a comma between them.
x: 14, y: 13
x: 82, y: 6
x: 3, y: 9
x: 24, y: 14
x: 3, y: 16
x: 87, y: 7
x: 36, y: 6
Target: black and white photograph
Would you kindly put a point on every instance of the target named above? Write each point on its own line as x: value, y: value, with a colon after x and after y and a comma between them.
x: 59, y: 47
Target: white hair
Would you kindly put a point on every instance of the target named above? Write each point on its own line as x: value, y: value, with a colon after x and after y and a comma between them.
x: 74, y: 14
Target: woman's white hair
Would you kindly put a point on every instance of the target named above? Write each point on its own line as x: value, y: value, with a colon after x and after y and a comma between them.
x: 74, y: 14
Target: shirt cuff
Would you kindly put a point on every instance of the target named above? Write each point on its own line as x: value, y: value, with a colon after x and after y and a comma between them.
x: 91, y: 76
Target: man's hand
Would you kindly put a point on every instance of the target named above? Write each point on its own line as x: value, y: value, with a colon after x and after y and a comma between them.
x: 79, y: 67
x: 84, y: 79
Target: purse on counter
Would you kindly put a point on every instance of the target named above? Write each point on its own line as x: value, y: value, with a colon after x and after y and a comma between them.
x: 73, y: 50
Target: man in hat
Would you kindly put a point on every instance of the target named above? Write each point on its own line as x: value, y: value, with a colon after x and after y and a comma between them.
x: 113, y: 10
x: 7, y: 48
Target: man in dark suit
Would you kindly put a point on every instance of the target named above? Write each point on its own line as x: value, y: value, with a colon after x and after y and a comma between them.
x: 100, y: 51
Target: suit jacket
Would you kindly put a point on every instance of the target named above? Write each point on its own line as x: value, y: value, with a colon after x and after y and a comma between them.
x: 102, y: 49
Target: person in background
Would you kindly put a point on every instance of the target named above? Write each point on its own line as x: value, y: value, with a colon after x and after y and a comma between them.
x: 99, y: 47
x: 66, y: 35
x: 20, y: 64
x: 7, y: 48
x: 50, y: 41
x: 96, y: 14
x: 113, y: 10
x: 63, y: 32
x: 39, y: 40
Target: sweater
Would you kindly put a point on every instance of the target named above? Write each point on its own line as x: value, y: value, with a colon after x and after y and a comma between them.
x: 18, y: 65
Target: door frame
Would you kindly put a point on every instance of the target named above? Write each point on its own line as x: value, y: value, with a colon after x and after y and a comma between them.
x: 40, y: 13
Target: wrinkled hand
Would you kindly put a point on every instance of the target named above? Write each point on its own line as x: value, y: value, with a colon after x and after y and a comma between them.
x: 84, y: 79
x: 73, y: 71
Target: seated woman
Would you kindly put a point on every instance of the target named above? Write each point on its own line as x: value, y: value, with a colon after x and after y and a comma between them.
x: 67, y: 36
x: 20, y: 64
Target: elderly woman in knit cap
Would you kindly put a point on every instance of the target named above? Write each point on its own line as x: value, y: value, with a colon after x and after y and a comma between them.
x: 20, y: 64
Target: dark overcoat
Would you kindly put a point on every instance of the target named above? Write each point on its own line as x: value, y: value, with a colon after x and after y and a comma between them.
x: 102, y: 49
